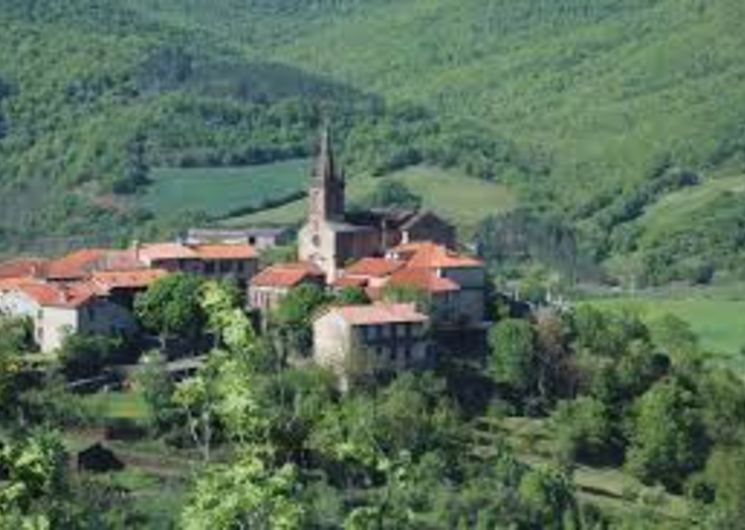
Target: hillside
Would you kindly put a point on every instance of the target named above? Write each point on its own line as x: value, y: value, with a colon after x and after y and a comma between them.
x: 575, y: 104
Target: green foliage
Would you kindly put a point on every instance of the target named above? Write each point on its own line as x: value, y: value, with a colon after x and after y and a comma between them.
x: 155, y: 383
x: 245, y: 494
x: 84, y: 356
x: 170, y: 306
x: 668, y: 439
x: 584, y: 430
x: 33, y: 480
x: 513, y: 353
x: 292, y: 319
x: 351, y: 296
x: 392, y: 193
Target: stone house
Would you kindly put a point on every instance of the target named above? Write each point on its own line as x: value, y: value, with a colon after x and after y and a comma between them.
x: 269, y: 286
x: 61, y: 309
x: 215, y: 261
x: 453, y: 284
x: 370, y: 338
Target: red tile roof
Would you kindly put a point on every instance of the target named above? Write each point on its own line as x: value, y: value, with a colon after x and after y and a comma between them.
x: 225, y: 251
x: 77, y: 264
x: 165, y: 251
x: 286, y: 275
x: 375, y: 267
x: 379, y: 313
x: 350, y: 281
x: 424, y: 279
x: 426, y: 254
x: 70, y: 295
x: 170, y: 251
x: 21, y: 267
x: 134, y: 279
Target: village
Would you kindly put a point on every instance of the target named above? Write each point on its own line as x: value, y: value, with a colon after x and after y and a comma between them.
x: 404, y: 264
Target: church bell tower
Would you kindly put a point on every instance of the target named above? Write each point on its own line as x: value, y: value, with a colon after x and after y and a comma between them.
x: 327, y: 184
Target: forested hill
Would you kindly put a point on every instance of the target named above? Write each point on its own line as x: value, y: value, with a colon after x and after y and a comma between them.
x: 578, y: 103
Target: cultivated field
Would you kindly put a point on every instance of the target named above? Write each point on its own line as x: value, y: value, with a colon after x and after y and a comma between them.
x: 719, y: 321
x: 465, y: 201
x: 221, y: 191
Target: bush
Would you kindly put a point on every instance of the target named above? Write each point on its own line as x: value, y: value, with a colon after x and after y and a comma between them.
x: 584, y: 431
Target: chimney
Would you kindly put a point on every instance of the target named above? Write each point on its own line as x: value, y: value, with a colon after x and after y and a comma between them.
x: 136, y: 249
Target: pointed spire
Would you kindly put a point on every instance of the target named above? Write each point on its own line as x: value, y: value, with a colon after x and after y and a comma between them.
x: 325, y: 168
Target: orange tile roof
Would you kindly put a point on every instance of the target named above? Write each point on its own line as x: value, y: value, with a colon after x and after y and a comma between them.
x: 71, y: 295
x: 165, y: 251
x: 426, y: 254
x: 127, y: 279
x: 225, y: 251
x: 168, y: 251
x: 21, y: 267
x: 376, y: 267
x: 424, y: 279
x: 379, y: 313
x: 77, y: 264
x: 350, y: 281
x: 286, y: 275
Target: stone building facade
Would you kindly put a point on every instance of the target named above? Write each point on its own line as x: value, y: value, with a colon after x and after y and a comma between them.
x: 370, y: 338
x: 332, y: 238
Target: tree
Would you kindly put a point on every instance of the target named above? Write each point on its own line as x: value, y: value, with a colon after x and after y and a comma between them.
x: 170, y: 306
x: 675, y: 336
x: 293, y: 317
x: 584, y: 430
x: 513, y: 355
x: 247, y: 494
x: 392, y: 193
x: 157, y: 387
x: 33, y: 471
x: 86, y: 355
x: 197, y: 398
x: 667, y: 436
x: 548, y: 498
x: 351, y: 296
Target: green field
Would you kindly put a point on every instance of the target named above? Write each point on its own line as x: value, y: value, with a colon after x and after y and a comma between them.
x: 220, y: 191
x: 464, y: 201
x: 678, y: 209
x: 719, y: 322
x: 120, y: 405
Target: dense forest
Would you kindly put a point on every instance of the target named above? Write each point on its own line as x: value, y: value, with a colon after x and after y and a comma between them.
x: 590, y: 109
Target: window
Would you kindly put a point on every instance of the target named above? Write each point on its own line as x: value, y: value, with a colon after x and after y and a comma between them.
x: 209, y: 267
x: 393, y: 353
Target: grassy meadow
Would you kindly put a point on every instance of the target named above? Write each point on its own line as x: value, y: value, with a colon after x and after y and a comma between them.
x: 464, y: 201
x: 678, y: 209
x: 220, y: 191
x: 718, y: 320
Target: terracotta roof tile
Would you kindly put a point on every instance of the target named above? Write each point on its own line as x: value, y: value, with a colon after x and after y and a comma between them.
x: 169, y: 251
x: 71, y: 295
x: 376, y: 267
x: 81, y: 263
x: 350, y: 281
x: 21, y: 267
x: 286, y: 275
x: 426, y: 254
x: 379, y: 313
x: 127, y: 279
x: 225, y: 251
x: 165, y: 251
x: 424, y: 279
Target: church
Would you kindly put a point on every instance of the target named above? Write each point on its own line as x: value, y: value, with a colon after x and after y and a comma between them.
x: 332, y: 238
